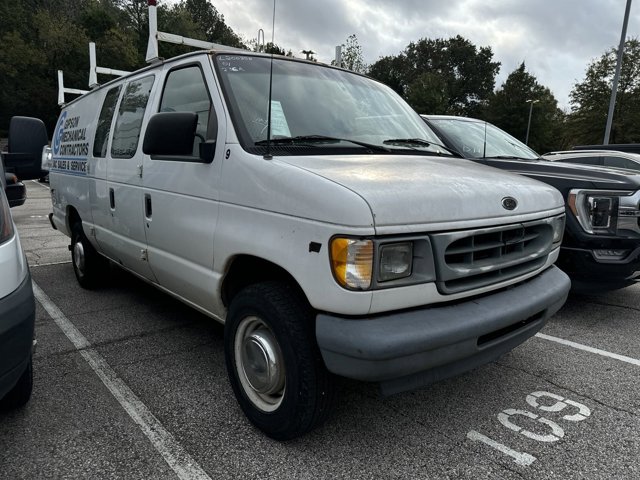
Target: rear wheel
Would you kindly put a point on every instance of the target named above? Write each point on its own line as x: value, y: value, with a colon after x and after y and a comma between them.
x: 273, y: 361
x: 88, y: 265
x: 20, y: 394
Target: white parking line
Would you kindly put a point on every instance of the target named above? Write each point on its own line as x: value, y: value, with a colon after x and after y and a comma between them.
x: 586, y: 348
x: 178, y: 459
x: 49, y: 264
x: 38, y: 183
x: 520, y: 458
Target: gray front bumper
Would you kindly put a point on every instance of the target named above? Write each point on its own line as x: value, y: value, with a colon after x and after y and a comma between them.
x: 409, y: 349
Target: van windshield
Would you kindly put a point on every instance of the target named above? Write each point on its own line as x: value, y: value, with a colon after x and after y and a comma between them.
x: 320, y: 108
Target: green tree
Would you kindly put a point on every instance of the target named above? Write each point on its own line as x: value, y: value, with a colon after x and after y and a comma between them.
x: 590, y: 99
x: 39, y: 37
x: 467, y: 75
x: 352, y: 58
x: 392, y: 71
x: 520, y: 95
x: 212, y: 23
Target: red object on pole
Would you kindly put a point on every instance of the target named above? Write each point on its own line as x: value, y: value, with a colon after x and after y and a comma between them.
x: 152, y: 3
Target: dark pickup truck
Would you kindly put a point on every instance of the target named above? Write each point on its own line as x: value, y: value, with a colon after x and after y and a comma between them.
x: 601, y: 246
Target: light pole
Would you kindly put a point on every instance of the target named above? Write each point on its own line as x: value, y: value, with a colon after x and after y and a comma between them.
x: 530, y: 102
x: 614, y: 87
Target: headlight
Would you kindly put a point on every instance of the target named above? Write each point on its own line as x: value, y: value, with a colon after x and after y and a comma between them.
x: 47, y: 157
x: 395, y: 261
x: 6, y: 224
x: 597, y: 212
x: 352, y: 262
x: 557, y: 224
x: 379, y: 263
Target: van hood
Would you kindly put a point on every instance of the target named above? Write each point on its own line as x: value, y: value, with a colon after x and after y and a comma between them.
x: 419, y: 190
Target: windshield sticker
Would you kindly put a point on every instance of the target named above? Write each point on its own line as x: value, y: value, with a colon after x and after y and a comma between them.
x: 230, y: 63
x: 279, y: 125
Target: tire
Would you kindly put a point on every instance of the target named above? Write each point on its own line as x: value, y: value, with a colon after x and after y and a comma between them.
x: 88, y: 265
x: 20, y: 394
x: 297, y: 395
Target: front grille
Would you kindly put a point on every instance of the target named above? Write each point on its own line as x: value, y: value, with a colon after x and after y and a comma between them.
x: 476, y: 258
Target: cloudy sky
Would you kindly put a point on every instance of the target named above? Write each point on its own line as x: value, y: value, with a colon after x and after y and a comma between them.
x: 555, y: 38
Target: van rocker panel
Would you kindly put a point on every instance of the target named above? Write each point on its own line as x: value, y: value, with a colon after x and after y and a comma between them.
x: 420, y: 346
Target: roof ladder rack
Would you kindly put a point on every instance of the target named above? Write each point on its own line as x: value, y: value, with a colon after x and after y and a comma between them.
x: 155, y: 36
x: 62, y: 90
x: 94, y: 69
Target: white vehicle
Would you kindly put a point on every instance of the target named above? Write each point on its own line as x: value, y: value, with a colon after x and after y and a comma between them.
x: 17, y: 305
x: 316, y: 219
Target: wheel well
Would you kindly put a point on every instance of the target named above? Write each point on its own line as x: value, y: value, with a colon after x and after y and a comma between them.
x: 72, y: 217
x: 246, y: 270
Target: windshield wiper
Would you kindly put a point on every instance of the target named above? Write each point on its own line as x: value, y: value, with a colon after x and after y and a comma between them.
x: 508, y: 157
x: 417, y: 141
x: 311, y: 139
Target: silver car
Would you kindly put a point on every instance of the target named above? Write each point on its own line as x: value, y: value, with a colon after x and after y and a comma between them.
x: 603, y: 158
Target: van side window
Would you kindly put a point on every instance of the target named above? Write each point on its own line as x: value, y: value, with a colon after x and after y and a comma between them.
x: 104, y: 122
x: 186, y: 91
x: 132, y: 107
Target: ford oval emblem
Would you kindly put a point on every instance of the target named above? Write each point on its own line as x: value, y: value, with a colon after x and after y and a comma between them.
x: 509, y: 203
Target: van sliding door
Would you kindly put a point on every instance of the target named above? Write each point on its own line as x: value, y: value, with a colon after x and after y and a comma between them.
x: 126, y: 241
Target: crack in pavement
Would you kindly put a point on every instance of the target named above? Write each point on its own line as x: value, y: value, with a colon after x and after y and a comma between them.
x: 115, y: 341
x: 555, y: 384
x: 605, y: 304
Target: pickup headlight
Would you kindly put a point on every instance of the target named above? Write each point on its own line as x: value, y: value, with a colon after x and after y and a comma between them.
x: 596, y: 211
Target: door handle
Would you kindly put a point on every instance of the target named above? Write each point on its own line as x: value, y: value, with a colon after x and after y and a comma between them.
x: 112, y: 199
x: 147, y: 205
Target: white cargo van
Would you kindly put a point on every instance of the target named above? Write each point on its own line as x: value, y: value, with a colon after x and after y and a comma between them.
x: 313, y: 213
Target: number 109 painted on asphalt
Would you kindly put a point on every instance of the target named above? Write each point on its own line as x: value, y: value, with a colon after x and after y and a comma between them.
x: 508, y: 418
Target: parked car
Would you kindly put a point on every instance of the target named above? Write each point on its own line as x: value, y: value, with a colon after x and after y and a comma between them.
x: 601, y: 246
x: 619, y: 147
x: 17, y: 312
x: 601, y: 158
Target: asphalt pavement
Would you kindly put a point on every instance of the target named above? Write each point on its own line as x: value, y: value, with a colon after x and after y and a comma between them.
x: 130, y: 383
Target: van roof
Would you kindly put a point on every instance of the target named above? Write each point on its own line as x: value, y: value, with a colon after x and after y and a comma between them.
x: 216, y: 51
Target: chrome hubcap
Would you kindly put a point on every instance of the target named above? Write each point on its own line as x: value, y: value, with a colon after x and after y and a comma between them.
x: 260, y: 364
x: 78, y: 256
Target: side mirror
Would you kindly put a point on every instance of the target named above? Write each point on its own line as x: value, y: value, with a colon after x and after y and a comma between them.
x: 27, y: 137
x: 171, y: 136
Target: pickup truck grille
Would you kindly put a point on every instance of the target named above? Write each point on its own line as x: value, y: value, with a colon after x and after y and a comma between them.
x: 473, y: 259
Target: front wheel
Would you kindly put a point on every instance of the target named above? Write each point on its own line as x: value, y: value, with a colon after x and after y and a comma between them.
x: 88, y: 265
x: 273, y: 361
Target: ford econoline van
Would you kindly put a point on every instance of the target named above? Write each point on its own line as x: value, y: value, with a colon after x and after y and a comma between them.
x: 314, y: 213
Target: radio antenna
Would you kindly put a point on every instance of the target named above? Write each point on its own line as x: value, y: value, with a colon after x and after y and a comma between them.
x: 484, y: 148
x: 268, y: 155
